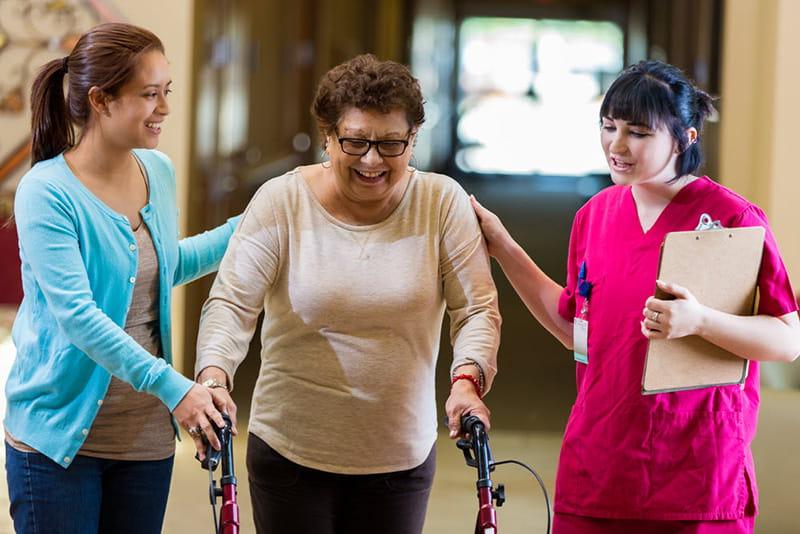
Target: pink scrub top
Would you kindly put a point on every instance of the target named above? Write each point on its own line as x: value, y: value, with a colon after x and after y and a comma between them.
x: 669, y: 456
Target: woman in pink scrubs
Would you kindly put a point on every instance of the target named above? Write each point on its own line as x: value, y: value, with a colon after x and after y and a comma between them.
x: 670, y: 462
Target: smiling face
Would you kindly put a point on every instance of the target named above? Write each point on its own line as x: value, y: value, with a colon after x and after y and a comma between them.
x: 133, y: 117
x: 637, y: 154
x: 371, y: 178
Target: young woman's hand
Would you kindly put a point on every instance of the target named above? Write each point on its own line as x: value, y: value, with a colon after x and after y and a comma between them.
x: 494, y: 232
x: 195, y: 413
x: 670, y: 319
x: 464, y: 400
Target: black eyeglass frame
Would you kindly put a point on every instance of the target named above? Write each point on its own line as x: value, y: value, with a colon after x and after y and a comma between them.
x: 377, y: 144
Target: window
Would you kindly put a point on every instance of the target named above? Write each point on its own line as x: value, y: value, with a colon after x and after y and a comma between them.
x: 529, y: 95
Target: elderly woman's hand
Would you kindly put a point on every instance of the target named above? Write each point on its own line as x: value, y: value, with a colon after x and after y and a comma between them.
x: 217, y: 382
x: 464, y: 400
x: 202, y: 405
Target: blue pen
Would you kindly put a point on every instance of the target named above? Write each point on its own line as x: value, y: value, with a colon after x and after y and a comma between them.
x: 584, y: 286
x: 580, y: 332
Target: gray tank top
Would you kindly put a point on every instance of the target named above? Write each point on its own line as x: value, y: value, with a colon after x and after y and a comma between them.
x: 132, y: 425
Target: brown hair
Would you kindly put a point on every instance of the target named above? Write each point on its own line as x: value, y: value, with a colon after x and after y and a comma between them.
x: 104, y: 57
x: 365, y: 82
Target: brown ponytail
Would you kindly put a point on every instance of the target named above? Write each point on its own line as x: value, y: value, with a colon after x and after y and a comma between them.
x: 52, y: 130
x: 105, y: 57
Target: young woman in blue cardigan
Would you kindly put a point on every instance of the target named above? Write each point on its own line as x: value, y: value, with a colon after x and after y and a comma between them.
x: 89, y: 434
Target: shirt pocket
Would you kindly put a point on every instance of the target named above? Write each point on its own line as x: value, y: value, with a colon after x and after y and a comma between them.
x: 697, y: 464
x: 596, y: 294
x: 602, y: 464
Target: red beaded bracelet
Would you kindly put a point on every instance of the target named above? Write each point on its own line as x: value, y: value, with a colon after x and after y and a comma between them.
x: 469, y: 377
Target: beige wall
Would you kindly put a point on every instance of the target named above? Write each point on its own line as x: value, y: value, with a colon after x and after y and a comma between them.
x: 761, y: 108
x: 172, y: 21
x: 784, y: 190
x: 761, y: 111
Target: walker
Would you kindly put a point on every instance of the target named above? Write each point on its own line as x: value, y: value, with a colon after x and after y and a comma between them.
x: 478, y: 454
x: 229, y: 512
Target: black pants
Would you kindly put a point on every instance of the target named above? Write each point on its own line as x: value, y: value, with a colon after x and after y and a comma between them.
x: 291, y: 498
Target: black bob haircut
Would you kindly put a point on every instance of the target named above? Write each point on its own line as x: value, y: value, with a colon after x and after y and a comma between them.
x: 653, y: 94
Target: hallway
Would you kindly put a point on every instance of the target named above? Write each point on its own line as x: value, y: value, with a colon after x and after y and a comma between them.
x: 453, y: 504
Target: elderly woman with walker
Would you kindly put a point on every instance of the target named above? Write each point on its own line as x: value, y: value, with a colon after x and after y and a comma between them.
x: 354, y: 262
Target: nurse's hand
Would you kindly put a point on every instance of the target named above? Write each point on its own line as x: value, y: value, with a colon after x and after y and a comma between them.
x: 494, y: 232
x: 671, y: 319
x: 464, y: 400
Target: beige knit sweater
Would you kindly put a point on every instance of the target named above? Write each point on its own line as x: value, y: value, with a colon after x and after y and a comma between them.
x: 352, y: 322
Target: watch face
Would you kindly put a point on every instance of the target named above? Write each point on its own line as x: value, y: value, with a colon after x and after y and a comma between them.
x: 213, y: 383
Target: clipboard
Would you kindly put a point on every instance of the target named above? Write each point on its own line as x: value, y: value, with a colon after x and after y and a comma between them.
x: 720, y: 267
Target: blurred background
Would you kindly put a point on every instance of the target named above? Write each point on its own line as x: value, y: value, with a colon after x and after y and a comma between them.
x: 513, y: 89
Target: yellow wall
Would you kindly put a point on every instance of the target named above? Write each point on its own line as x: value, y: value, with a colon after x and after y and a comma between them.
x: 172, y: 22
x: 760, y: 107
x: 760, y: 115
x: 784, y: 190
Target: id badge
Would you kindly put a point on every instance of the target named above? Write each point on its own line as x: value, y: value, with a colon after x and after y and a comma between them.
x: 580, y: 340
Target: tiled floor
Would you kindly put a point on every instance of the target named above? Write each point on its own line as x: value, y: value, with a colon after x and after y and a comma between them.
x: 453, y: 503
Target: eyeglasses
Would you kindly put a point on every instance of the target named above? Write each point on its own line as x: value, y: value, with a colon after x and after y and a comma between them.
x: 387, y: 148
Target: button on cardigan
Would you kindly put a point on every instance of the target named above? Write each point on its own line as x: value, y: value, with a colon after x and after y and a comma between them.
x: 79, y: 260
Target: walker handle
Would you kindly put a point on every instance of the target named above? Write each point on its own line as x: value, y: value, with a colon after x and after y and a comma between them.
x: 214, y: 456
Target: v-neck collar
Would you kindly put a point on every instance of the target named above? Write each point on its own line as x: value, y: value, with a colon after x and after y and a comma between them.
x: 84, y: 189
x: 664, y: 215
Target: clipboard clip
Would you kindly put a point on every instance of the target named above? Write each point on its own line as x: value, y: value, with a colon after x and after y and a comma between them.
x: 705, y: 223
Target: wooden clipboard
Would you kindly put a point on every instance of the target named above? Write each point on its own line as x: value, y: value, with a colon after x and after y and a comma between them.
x: 720, y: 267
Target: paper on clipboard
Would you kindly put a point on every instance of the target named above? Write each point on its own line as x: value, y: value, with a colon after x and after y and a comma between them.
x: 720, y: 267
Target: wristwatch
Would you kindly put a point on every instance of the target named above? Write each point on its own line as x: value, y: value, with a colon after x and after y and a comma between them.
x: 212, y: 383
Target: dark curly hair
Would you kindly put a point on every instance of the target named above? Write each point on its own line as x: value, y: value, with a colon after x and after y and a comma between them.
x: 367, y: 83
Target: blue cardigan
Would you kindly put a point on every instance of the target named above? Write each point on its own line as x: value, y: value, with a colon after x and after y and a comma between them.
x: 79, y: 260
